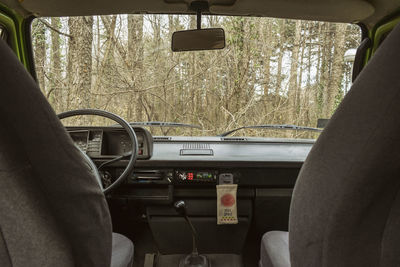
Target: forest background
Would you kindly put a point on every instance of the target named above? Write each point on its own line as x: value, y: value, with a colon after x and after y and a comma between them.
x: 272, y: 71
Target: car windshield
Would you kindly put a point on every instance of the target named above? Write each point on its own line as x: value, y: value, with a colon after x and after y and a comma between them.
x: 271, y: 72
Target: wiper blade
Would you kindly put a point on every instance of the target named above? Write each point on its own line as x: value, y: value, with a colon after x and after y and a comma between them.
x: 164, y: 124
x: 273, y: 126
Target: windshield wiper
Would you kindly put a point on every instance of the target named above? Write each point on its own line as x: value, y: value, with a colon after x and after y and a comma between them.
x: 163, y: 124
x: 273, y: 126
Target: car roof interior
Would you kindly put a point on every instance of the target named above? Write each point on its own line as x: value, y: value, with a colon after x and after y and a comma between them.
x: 367, y: 12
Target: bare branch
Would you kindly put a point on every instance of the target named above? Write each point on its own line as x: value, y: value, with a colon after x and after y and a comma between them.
x: 54, y: 29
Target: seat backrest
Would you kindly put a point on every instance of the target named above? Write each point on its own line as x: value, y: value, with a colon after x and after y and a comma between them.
x: 52, y: 211
x: 345, y: 209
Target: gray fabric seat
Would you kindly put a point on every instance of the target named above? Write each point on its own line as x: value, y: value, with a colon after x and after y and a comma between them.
x: 345, y: 208
x: 52, y: 211
x: 122, y: 251
x: 275, y: 249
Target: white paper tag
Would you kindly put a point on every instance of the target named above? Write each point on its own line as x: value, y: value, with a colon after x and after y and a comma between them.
x: 226, y: 204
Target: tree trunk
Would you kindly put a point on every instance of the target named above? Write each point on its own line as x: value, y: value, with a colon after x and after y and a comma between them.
x: 335, y: 81
x: 56, y: 83
x: 281, y: 41
x: 80, y: 61
x: 292, y: 91
x: 267, y: 53
x: 135, y: 57
x: 39, y: 44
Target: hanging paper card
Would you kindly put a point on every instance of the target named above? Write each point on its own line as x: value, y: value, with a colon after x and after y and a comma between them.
x: 226, y: 204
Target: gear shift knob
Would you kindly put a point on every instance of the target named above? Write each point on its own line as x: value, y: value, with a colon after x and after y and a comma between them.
x: 180, y: 207
x: 193, y: 259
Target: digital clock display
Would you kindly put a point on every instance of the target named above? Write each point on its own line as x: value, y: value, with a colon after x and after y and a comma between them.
x: 195, y: 176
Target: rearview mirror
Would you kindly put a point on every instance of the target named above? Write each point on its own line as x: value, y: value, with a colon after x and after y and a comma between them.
x: 201, y: 39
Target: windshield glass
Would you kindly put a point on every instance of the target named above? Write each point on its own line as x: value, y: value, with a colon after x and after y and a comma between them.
x: 272, y: 71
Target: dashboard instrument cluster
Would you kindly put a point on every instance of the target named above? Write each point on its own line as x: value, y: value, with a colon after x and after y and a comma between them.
x: 107, y: 142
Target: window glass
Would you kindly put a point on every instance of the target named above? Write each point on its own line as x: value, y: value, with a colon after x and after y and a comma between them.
x: 272, y: 71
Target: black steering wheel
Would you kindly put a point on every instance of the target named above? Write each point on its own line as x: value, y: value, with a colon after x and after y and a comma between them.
x: 134, y: 151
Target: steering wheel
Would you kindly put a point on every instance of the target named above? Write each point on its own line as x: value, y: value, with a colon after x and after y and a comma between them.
x: 134, y: 151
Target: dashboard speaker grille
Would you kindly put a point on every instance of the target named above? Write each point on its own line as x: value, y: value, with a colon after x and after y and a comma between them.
x: 196, y: 149
x: 196, y: 146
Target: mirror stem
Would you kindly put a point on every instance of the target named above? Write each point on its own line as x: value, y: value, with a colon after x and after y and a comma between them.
x: 198, y: 19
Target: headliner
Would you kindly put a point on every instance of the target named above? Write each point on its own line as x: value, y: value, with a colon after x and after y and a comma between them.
x: 368, y: 12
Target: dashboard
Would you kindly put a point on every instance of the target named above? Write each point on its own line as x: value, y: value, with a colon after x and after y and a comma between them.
x: 188, y: 161
x: 171, y: 168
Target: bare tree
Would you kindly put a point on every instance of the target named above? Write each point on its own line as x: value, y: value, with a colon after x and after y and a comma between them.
x: 79, y: 70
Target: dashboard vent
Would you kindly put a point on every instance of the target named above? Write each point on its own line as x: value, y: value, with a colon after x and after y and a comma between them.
x: 196, y: 149
x: 234, y: 139
x: 161, y: 138
x: 196, y: 146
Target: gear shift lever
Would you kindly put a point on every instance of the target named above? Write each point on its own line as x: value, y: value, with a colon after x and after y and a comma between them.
x: 193, y: 259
